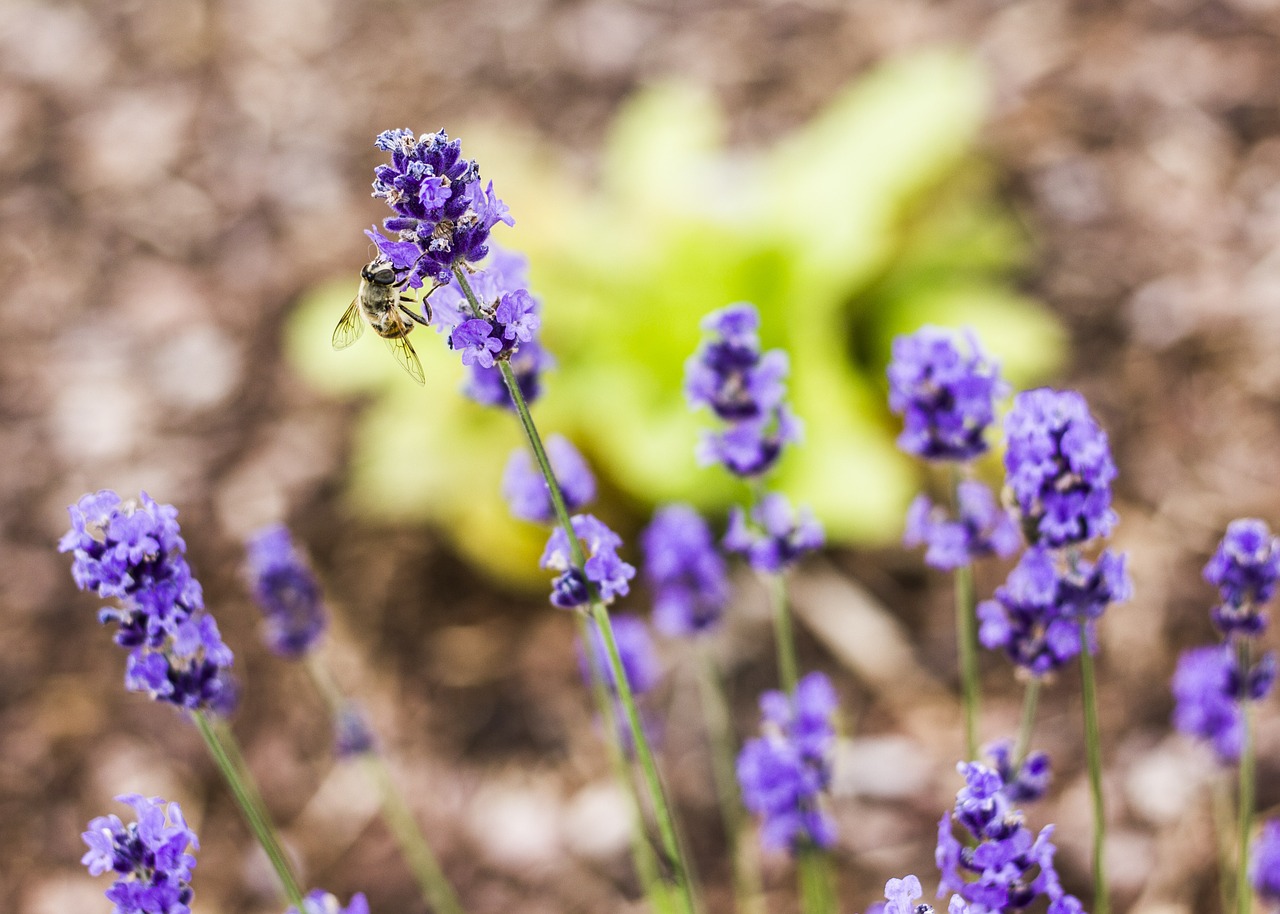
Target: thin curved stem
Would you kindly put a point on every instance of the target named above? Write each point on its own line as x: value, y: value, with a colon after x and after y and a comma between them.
x: 967, y: 647
x: 1093, y: 746
x: 250, y: 802
x: 783, y: 634
x: 1030, y: 699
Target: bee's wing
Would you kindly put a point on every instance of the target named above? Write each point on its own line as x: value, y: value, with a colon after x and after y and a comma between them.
x: 350, y: 326
x: 402, y: 351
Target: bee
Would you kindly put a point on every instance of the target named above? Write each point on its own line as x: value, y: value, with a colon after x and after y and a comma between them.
x: 380, y: 303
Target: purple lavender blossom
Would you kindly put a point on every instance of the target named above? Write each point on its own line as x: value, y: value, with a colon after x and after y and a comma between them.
x: 133, y: 552
x: 983, y: 528
x: 776, y: 537
x: 603, y: 568
x: 1030, y: 781
x: 1059, y: 468
x: 1208, y: 689
x: 319, y: 901
x: 685, y: 572
x: 526, y: 491
x: 474, y: 339
x: 352, y: 735
x: 1244, y: 568
x: 1264, y: 868
x: 901, y: 895
x: 1000, y: 865
x: 286, y: 591
x: 1035, y: 615
x: 744, y: 387
x: 946, y: 397
x: 502, y: 272
x: 444, y: 213
x: 149, y: 857
x: 783, y: 771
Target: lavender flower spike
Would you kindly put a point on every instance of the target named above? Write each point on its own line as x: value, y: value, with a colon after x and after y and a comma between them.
x: 148, y: 856
x: 777, y: 535
x: 1244, y: 568
x: 685, y: 571
x: 319, y: 901
x: 946, y: 397
x: 1059, y: 468
x: 132, y: 552
x: 286, y: 591
x: 603, y: 567
x: 1208, y: 689
x: 526, y: 491
x: 983, y: 528
x: 784, y: 771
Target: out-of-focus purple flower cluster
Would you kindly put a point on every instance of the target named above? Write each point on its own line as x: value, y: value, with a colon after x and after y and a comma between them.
x: 132, y: 552
x: 639, y: 664
x: 946, y: 397
x: 149, y: 857
x: 1209, y: 689
x: 1036, y: 614
x: 900, y: 898
x: 319, y: 901
x: 526, y: 491
x: 1059, y: 468
x: 286, y: 591
x: 1031, y: 779
x: 603, y: 568
x: 1264, y: 868
x: 685, y: 571
x: 1244, y: 568
x: 443, y: 212
x: 775, y: 537
x: 745, y: 388
x: 784, y: 771
x: 983, y: 528
x: 352, y: 735
x: 1000, y: 865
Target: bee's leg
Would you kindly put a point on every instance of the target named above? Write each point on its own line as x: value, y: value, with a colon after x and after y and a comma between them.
x: 414, y: 315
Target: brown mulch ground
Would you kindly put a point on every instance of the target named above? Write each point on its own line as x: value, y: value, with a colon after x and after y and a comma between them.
x: 174, y: 174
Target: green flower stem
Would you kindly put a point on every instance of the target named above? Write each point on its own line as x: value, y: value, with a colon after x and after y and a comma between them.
x: 1248, y: 776
x: 644, y: 754
x: 427, y: 872
x: 1093, y: 746
x: 1030, y: 699
x: 817, y: 883
x: 967, y: 646
x: 783, y: 635
x: 715, y: 709
x: 1224, y: 827
x: 249, y: 800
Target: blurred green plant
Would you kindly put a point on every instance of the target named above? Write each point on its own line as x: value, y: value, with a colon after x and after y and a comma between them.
x: 872, y: 219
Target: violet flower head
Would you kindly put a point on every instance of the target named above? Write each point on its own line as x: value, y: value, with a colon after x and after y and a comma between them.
x: 946, y: 396
x: 1030, y: 781
x: 319, y: 901
x: 603, y: 569
x: 148, y: 856
x: 775, y: 537
x: 1244, y: 568
x: 983, y: 528
x: 1264, y: 864
x: 745, y: 388
x: 1208, y: 689
x: 783, y: 772
x: 1001, y: 865
x: 133, y: 552
x: 502, y: 272
x: 1059, y: 468
x: 352, y: 735
x: 685, y: 571
x: 443, y: 211
x: 287, y: 592
x: 1035, y: 615
x: 526, y: 491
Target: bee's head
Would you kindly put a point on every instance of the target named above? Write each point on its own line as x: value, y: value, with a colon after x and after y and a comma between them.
x: 379, y: 271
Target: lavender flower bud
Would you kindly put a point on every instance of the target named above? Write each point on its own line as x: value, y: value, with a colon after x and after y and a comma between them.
x: 776, y: 537
x: 149, y: 857
x: 1030, y: 781
x: 603, y: 567
x: 132, y: 552
x: 783, y: 772
x: 351, y: 733
x: 526, y: 491
x: 319, y: 901
x: 685, y: 572
x: 1208, y: 689
x: 1059, y: 468
x: 946, y: 397
x: 286, y: 592
x: 1244, y: 568
x: 983, y: 528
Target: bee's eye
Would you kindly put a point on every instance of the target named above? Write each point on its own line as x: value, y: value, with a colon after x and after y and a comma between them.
x: 385, y: 276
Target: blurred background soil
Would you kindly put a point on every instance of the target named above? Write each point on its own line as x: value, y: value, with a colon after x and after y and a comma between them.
x: 174, y: 174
